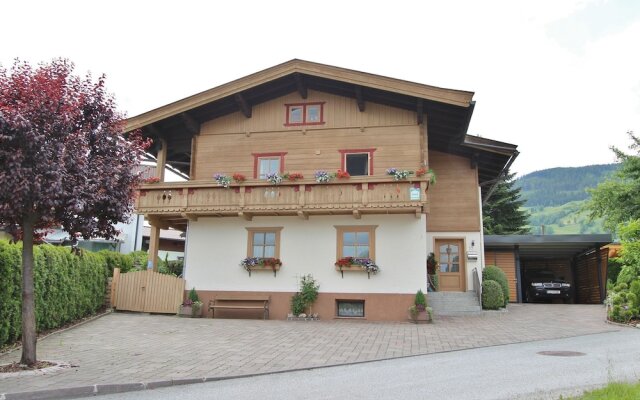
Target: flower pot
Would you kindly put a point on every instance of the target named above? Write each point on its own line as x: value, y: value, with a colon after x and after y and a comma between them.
x: 420, y: 317
x: 192, y: 311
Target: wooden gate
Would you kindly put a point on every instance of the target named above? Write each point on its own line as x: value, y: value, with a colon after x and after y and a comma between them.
x: 146, y: 291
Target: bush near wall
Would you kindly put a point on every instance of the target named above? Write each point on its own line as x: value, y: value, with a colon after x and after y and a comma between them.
x: 493, y: 273
x: 492, y: 298
x: 67, y: 287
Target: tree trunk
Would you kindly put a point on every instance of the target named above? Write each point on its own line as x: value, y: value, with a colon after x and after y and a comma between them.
x: 28, y: 302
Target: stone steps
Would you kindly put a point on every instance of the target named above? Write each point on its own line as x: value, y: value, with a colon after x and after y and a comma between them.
x: 454, y: 303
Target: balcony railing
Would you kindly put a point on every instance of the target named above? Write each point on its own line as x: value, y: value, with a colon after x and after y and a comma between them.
x: 357, y: 195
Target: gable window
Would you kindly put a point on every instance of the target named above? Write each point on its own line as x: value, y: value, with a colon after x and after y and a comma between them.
x: 357, y: 162
x: 264, y: 242
x: 356, y: 241
x: 305, y: 114
x: 267, y: 163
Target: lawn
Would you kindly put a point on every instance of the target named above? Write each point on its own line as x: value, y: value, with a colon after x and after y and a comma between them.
x: 613, y: 391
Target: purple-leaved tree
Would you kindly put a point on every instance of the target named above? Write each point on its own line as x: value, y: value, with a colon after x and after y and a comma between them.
x: 64, y: 161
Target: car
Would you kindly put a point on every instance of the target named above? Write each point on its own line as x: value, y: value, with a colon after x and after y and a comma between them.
x: 543, y: 285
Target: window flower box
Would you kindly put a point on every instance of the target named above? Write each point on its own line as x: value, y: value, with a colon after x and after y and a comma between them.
x: 357, y: 264
x: 261, y: 264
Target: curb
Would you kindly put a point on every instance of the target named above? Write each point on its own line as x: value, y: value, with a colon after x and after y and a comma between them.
x: 102, y: 389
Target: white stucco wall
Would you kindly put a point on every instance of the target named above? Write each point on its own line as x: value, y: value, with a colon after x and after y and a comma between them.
x: 468, y: 237
x: 215, y: 247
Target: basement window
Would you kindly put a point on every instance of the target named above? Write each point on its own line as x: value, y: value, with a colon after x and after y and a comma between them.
x: 350, y: 308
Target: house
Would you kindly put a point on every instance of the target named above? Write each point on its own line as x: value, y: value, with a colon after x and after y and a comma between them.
x: 302, y: 117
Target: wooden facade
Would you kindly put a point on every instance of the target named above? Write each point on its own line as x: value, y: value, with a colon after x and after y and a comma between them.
x: 506, y: 261
x: 454, y: 200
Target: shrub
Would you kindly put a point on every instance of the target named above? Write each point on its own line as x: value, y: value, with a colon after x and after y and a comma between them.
x: 306, y: 296
x: 193, y: 295
x: 492, y: 298
x: 67, y: 287
x: 140, y: 259
x: 635, y: 290
x: 420, y: 301
x: 493, y: 273
x: 116, y: 260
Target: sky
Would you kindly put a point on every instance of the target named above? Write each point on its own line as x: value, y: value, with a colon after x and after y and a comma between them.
x: 559, y: 78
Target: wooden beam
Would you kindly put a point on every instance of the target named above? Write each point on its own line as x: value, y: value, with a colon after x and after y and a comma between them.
x: 193, y: 127
x: 157, y: 222
x: 360, y: 98
x: 302, y: 88
x: 303, y: 215
x: 474, y: 160
x: 190, y: 217
x: 161, y: 160
x: 356, y: 214
x: 244, y: 215
x: 420, y: 111
x: 245, y: 108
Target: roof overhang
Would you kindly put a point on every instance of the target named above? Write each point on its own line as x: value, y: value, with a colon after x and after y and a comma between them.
x: 448, y: 111
x: 547, y: 246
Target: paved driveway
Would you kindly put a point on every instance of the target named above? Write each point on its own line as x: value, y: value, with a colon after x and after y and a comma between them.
x: 123, y: 347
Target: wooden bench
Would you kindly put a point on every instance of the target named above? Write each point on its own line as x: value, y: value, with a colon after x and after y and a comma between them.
x: 240, y: 303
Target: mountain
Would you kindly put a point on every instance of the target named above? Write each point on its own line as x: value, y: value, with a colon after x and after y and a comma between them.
x: 555, y: 198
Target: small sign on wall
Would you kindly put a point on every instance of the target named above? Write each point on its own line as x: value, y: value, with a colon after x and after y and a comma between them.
x: 414, y: 194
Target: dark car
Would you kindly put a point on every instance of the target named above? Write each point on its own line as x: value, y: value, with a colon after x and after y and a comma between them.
x: 543, y: 285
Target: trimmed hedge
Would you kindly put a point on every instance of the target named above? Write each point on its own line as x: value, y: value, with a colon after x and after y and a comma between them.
x: 117, y: 260
x: 493, y: 273
x: 492, y: 298
x: 67, y: 287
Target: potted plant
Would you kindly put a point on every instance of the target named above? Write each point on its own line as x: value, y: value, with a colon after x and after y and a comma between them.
x: 190, y: 308
x: 419, y: 313
x: 357, y: 264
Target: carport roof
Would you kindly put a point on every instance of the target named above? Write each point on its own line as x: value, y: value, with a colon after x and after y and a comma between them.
x: 547, y: 246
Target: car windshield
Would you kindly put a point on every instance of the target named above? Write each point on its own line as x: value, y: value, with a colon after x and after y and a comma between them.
x: 538, y: 275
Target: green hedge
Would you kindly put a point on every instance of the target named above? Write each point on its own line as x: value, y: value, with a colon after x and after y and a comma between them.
x: 492, y: 298
x: 493, y: 273
x: 67, y: 287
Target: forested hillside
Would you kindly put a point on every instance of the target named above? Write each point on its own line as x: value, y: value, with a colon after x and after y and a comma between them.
x: 555, y: 198
x: 557, y: 186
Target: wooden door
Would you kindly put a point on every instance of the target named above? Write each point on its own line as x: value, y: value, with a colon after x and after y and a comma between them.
x: 450, y: 256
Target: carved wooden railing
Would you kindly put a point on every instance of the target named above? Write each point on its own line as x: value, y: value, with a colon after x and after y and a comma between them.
x: 258, y: 197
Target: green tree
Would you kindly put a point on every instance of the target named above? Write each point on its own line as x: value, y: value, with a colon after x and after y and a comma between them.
x: 616, y: 199
x: 502, y: 213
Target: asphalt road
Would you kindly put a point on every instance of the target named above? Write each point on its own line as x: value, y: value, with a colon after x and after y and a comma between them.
x: 503, y: 372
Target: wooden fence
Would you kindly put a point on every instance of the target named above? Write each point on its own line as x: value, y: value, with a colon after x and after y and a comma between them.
x: 146, y: 291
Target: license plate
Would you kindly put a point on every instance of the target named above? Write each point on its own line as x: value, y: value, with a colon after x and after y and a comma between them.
x: 553, y: 292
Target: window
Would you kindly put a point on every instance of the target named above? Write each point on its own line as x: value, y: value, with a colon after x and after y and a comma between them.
x: 264, y: 242
x: 305, y: 114
x: 350, y: 308
x: 357, y: 162
x: 267, y: 163
x: 356, y: 241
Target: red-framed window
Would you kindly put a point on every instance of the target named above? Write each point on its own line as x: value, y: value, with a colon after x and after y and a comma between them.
x: 266, y: 163
x: 304, y: 114
x: 357, y: 162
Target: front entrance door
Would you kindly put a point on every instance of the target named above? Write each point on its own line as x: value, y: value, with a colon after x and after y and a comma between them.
x: 450, y: 256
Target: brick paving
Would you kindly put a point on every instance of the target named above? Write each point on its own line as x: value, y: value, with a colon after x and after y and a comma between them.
x: 123, y: 348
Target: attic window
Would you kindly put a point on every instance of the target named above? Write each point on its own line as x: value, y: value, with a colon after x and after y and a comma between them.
x: 305, y: 114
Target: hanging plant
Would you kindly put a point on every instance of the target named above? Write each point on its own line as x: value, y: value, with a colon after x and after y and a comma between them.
x: 274, y: 178
x: 222, y: 180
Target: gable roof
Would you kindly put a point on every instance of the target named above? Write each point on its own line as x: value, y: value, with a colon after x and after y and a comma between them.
x: 299, y: 68
x: 449, y: 111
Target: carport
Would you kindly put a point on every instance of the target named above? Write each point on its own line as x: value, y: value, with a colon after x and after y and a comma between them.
x: 579, y: 259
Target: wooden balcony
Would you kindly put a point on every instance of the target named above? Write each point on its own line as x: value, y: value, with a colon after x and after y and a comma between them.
x: 172, y: 204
